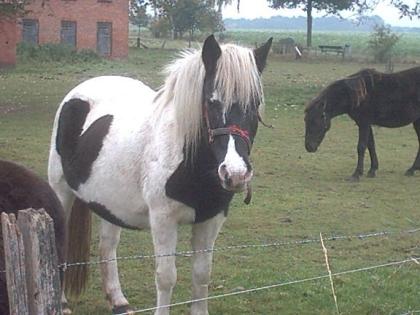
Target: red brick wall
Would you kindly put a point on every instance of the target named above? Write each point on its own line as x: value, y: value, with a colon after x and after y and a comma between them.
x: 7, y: 41
x: 86, y: 13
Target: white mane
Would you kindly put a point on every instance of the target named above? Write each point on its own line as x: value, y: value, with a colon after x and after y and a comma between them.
x: 237, y: 80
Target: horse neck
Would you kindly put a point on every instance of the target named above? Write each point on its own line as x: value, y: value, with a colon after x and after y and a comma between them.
x: 337, y: 110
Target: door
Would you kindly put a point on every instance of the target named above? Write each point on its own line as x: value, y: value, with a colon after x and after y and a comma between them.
x: 68, y: 33
x: 104, y: 38
x: 30, y: 31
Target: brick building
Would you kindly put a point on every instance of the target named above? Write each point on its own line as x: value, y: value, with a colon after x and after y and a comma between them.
x: 99, y: 25
x: 8, y: 38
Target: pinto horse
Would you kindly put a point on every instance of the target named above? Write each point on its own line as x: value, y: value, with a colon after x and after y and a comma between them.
x: 142, y: 159
x: 22, y: 189
x: 370, y: 98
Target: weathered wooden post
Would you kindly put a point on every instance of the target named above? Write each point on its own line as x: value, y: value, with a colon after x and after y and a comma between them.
x: 14, y: 256
x: 42, y: 272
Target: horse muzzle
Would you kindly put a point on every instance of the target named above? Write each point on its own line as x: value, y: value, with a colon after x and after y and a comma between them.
x: 311, y: 147
x: 234, y: 181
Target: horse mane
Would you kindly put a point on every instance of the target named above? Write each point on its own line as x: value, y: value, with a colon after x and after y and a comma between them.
x: 236, y: 80
x: 360, y: 84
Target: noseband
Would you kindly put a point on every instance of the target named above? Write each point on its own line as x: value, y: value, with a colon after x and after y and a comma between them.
x: 234, y: 130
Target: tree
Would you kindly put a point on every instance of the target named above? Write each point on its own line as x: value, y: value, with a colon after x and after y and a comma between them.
x: 12, y: 7
x: 335, y: 6
x: 381, y: 43
x: 138, y: 15
x: 186, y: 15
x: 329, y: 6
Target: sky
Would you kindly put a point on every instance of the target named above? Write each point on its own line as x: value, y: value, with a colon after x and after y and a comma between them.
x: 259, y: 8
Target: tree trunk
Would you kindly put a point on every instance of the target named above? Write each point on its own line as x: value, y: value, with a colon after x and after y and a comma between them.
x: 138, y: 38
x: 309, y: 24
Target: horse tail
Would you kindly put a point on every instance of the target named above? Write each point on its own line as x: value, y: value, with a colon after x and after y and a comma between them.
x: 78, y: 250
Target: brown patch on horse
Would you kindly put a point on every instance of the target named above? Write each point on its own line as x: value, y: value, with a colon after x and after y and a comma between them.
x: 20, y: 189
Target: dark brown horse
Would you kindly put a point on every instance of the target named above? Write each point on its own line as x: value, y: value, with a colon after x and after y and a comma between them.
x: 369, y: 98
x: 22, y: 189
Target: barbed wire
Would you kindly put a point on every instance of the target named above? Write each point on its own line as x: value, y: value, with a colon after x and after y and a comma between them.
x: 188, y: 253
x: 276, y: 285
x: 360, y: 236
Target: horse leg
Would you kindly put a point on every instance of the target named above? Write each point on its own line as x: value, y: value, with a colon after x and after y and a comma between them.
x: 108, y: 243
x: 372, y: 152
x: 361, y: 148
x: 164, y: 233
x: 416, y: 164
x: 203, y: 237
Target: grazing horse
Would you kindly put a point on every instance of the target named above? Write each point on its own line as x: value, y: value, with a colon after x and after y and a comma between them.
x: 370, y: 98
x: 22, y: 189
x: 142, y: 159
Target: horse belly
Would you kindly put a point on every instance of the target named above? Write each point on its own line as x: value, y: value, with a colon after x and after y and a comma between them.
x: 115, y: 202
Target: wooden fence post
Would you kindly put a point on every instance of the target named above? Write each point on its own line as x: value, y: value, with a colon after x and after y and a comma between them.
x: 14, y: 257
x: 42, y: 272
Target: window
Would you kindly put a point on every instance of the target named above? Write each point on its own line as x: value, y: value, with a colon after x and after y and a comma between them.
x: 104, y: 38
x: 30, y: 31
x: 68, y: 33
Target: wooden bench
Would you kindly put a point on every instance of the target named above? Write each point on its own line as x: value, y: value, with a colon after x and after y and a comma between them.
x: 339, y: 50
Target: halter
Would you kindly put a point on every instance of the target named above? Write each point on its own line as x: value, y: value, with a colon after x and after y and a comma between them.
x: 234, y: 130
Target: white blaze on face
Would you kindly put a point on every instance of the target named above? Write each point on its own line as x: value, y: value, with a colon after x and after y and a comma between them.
x: 233, y: 168
x: 235, y: 164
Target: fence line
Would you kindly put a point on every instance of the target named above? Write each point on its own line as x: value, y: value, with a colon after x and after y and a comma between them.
x: 281, y: 284
x: 360, y: 236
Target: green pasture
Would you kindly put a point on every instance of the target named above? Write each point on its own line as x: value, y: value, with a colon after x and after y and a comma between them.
x: 297, y: 196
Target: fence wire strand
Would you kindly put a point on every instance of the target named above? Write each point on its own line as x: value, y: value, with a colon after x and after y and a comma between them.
x: 360, y: 236
x: 188, y: 253
x: 276, y: 285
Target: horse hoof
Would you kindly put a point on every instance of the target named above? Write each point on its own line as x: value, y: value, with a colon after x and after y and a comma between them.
x: 409, y: 173
x: 371, y: 174
x: 353, y: 179
x: 122, y: 309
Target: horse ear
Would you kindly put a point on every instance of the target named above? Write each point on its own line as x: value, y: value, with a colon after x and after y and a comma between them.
x: 210, y: 54
x: 261, y: 54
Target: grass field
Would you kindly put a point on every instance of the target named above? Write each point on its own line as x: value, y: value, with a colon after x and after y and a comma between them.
x: 297, y: 195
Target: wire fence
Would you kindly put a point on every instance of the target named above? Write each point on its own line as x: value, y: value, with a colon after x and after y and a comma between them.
x: 299, y: 242
x: 359, y: 236
x: 282, y: 284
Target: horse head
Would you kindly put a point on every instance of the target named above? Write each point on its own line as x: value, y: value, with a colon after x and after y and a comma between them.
x: 317, y: 123
x: 232, y: 95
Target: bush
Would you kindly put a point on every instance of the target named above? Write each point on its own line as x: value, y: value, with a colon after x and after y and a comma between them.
x: 54, y: 52
x: 382, y: 42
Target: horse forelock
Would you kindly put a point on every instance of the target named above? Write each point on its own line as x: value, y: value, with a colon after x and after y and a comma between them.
x: 236, y: 80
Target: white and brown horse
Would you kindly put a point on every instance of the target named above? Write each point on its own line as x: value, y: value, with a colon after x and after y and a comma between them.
x: 153, y: 160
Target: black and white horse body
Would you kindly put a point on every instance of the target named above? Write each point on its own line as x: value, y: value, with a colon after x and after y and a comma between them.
x: 145, y: 159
